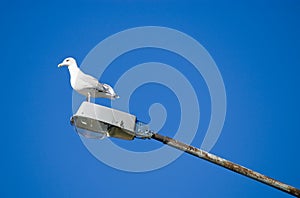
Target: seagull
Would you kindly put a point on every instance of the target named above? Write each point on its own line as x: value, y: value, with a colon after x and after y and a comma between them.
x: 85, y: 84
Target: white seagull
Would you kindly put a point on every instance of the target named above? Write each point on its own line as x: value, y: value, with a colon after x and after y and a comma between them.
x: 86, y: 84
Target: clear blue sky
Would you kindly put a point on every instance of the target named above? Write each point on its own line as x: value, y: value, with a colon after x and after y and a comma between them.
x: 256, y: 46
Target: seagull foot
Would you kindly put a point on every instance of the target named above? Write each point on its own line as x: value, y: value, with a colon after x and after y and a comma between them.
x: 88, y: 98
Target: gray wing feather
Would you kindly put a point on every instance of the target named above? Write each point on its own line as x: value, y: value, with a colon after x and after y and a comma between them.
x: 89, y: 82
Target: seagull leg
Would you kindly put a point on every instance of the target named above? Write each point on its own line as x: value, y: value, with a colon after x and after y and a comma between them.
x: 88, y: 98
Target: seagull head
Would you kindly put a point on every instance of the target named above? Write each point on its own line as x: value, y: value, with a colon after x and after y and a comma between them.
x: 67, y: 62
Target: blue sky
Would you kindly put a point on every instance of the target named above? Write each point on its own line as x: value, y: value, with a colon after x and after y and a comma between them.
x: 255, y: 44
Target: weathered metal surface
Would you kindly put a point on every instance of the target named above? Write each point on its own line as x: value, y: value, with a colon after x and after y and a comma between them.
x: 227, y: 164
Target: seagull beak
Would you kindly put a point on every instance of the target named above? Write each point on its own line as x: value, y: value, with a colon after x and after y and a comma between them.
x: 61, y: 64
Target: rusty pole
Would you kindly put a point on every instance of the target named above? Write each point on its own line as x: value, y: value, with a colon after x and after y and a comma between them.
x: 227, y: 164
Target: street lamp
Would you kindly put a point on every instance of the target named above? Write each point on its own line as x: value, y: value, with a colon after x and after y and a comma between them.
x: 96, y: 121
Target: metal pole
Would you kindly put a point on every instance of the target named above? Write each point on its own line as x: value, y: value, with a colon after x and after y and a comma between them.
x: 227, y: 164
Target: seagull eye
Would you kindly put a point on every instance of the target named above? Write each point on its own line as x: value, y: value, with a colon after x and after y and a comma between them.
x: 67, y: 60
